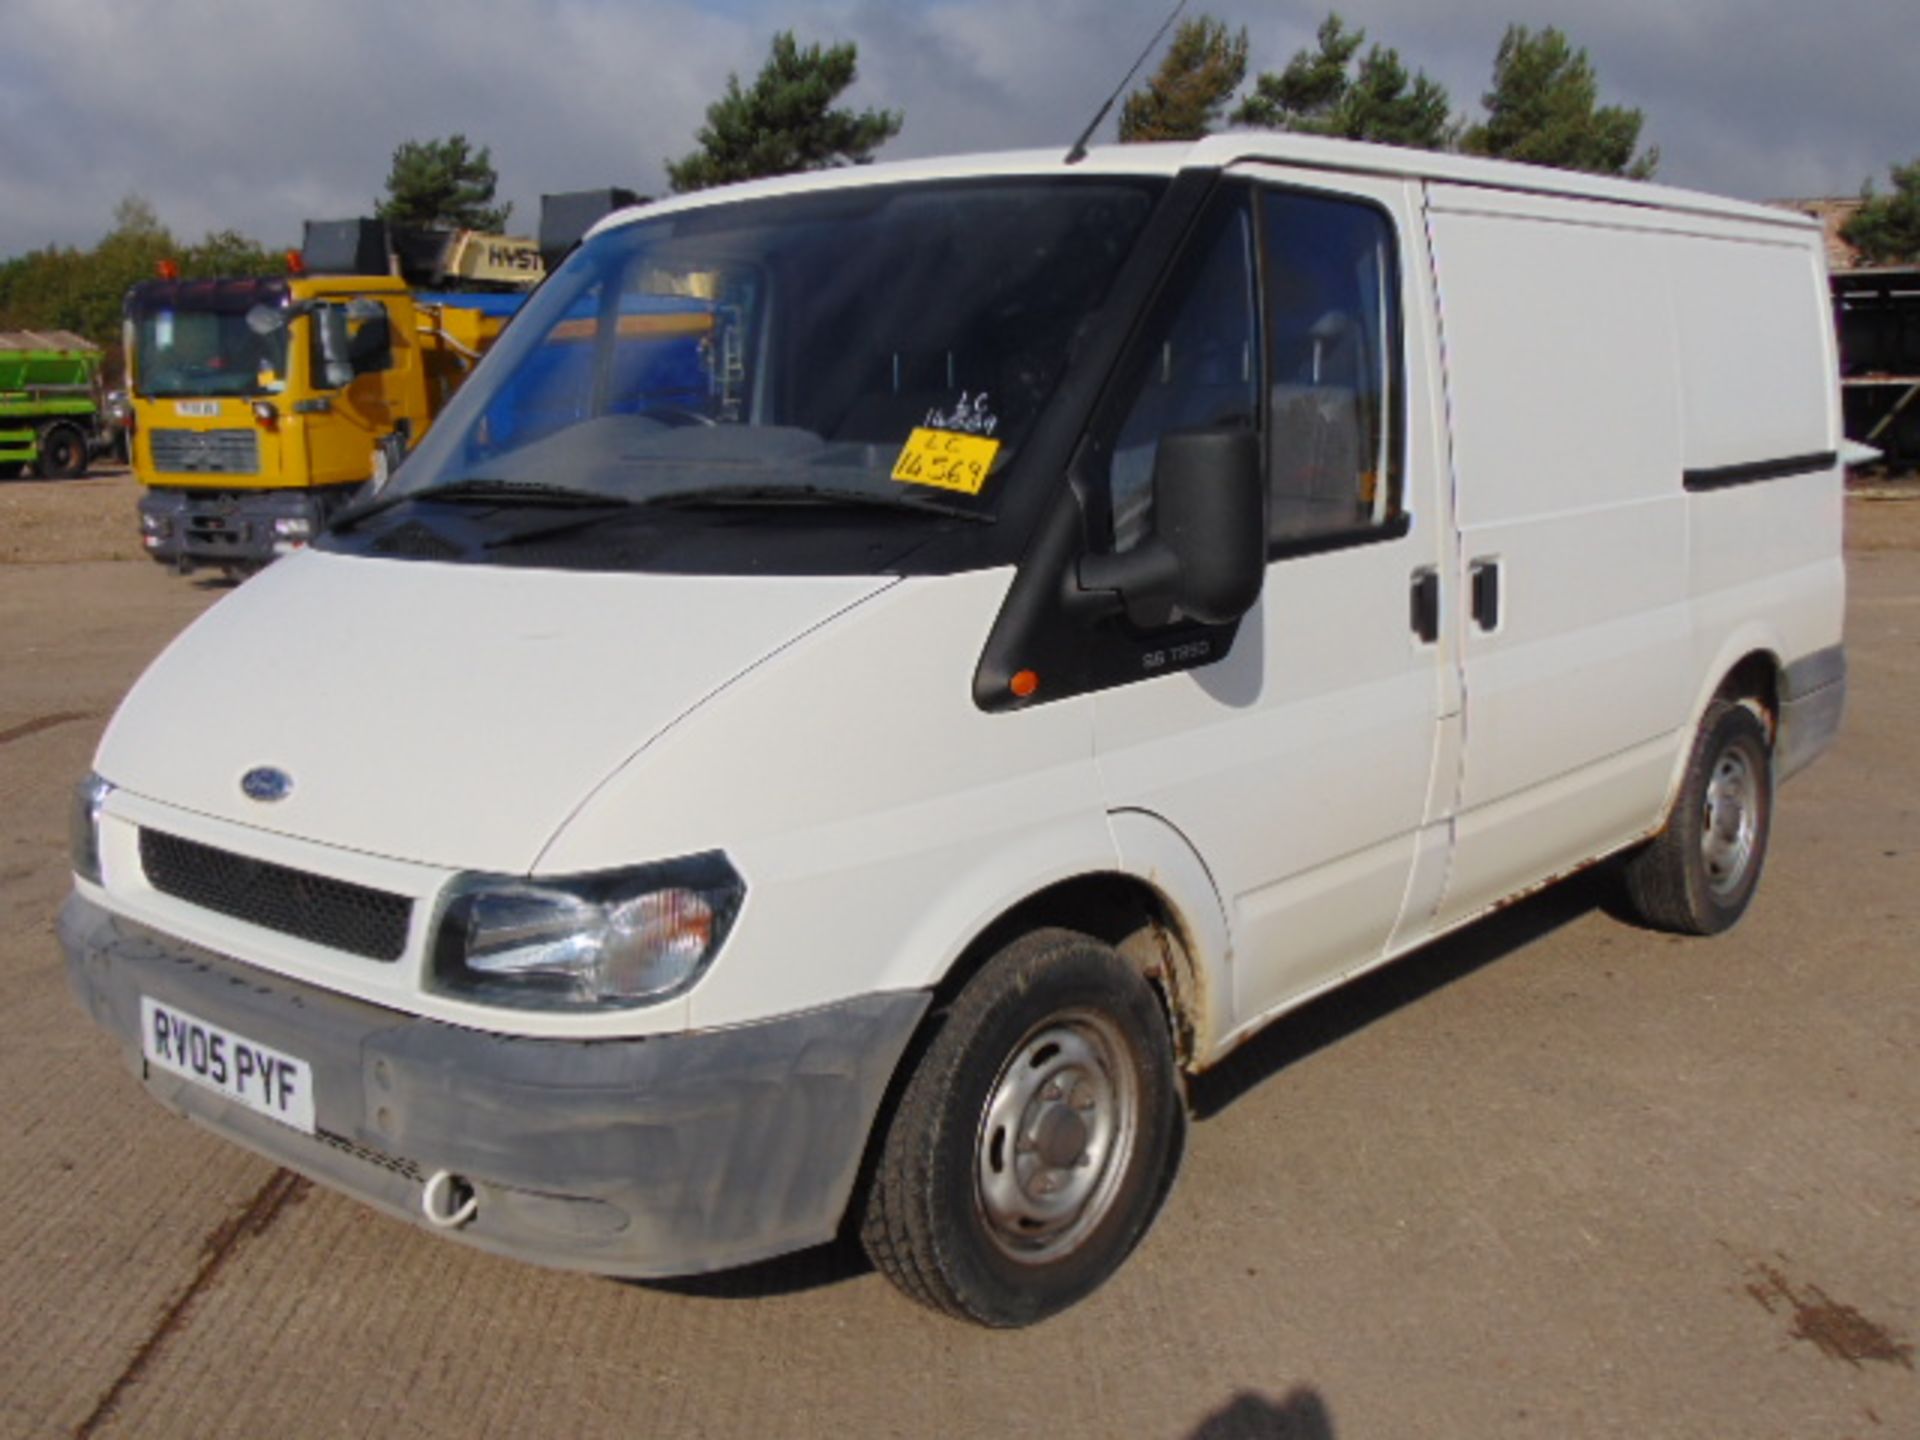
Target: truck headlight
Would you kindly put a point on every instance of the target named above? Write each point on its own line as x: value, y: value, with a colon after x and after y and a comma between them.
x: 83, y: 826
x: 612, y: 940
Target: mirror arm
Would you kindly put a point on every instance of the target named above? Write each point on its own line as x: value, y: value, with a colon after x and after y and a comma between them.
x: 1143, y: 582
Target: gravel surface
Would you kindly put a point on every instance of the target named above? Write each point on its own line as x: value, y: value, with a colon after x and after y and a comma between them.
x: 58, y: 522
x: 1552, y: 1177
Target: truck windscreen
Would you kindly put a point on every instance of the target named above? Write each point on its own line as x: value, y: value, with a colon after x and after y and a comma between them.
x: 183, y: 350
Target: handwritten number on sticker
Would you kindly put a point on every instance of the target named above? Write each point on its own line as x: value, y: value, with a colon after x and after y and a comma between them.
x: 946, y: 460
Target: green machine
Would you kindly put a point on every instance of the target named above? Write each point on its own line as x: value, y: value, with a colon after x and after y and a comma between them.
x: 50, y: 404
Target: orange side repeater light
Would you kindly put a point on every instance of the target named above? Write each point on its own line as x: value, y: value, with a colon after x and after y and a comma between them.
x: 1024, y: 683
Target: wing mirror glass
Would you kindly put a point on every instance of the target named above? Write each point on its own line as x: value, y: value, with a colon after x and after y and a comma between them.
x: 336, y: 359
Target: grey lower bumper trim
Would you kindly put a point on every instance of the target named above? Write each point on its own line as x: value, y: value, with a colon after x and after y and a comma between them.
x: 1813, y: 698
x: 668, y: 1155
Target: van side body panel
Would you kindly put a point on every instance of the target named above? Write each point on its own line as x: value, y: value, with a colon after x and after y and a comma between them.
x: 1558, y: 332
x: 1757, y: 368
x: 1609, y: 369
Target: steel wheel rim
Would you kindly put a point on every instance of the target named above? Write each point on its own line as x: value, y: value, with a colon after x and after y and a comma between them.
x: 1730, y: 823
x: 1056, y: 1136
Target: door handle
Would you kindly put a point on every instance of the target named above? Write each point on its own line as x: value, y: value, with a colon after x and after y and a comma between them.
x: 1424, y: 598
x: 1483, y: 580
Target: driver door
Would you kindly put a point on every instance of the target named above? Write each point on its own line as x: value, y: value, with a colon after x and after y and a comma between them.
x: 1303, y: 766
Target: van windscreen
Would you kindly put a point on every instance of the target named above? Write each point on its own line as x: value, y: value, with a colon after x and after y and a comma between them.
x: 884, y: 345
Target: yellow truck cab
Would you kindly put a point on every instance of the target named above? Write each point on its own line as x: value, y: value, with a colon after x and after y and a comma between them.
x: 261, y: 406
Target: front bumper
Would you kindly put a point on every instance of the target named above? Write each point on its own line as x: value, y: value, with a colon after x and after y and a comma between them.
x: 238, y: 529
x: 668, y: 1155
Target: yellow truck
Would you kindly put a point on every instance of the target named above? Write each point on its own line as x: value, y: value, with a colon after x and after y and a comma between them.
x: 261, y: 406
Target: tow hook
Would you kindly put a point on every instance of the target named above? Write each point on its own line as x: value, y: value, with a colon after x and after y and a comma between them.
x: 449, y: 1200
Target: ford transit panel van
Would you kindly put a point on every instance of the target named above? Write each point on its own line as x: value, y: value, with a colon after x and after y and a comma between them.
x: 881, y: 674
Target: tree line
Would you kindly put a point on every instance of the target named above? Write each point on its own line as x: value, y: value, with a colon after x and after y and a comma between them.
x: 63, y: 288
x: 1543, y: 107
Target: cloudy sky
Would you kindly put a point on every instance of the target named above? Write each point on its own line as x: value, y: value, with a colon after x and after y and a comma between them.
x: 257, y: 116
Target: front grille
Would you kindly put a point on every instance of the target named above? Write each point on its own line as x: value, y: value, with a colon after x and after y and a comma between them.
x: 206, y: 452
x: 334, y: 913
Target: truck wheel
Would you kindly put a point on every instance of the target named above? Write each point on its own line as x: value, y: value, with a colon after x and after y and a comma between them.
x: 1697, y: 875
x: 63, y: 453
x: 1035, y: 1139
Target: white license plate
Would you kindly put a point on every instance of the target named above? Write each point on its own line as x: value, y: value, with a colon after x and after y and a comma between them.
x: 259, y: 1077
x: 197, y: 409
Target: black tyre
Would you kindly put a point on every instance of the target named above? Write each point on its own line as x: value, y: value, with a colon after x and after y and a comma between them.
x: 1035, y: 1139
x: 1698, y: 874
x: 63, y: 453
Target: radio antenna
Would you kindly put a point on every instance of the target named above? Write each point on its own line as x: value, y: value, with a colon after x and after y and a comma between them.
x: 1079, y: 150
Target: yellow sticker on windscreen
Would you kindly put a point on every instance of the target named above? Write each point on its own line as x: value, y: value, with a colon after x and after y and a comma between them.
x: 946, y: 460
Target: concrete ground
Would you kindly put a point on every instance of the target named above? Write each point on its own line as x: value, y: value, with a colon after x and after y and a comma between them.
x: 1553, y: 1177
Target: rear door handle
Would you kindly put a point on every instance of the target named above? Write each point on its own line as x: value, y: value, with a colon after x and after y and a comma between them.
x: 1483, y: 580
x: 1424, y: 600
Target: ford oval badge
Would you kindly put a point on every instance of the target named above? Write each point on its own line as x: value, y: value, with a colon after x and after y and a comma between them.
x: 266, y: 784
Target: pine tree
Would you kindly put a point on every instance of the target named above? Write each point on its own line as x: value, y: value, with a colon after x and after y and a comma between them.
x: 1319, y: 93
x: 443, y: 182
x: 785, y: 122
x: 1543, y: 110
x: 1305, y: 96
x: 1183, y: 100
x: 1886, y: 228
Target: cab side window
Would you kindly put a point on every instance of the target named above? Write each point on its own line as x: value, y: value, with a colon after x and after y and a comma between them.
x: 1200, y: 368
x: 1334, y: 410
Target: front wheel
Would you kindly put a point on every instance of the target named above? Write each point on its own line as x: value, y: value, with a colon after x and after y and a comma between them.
x: 1034, y: 1141
x: 1697, y: 876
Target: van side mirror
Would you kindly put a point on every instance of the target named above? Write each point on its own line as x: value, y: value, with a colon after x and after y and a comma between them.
x: 1207, y: 556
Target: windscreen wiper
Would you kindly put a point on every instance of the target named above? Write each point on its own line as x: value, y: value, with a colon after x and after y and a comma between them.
x: 719, y: 496
x: 508, y: 492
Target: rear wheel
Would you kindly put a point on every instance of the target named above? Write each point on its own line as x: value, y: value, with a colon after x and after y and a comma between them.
x: 1035, y: 1139
x: 1697, y: 876
x: 63, y: 453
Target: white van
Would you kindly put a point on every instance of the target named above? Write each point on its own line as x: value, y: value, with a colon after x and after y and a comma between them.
x: 882, y: 673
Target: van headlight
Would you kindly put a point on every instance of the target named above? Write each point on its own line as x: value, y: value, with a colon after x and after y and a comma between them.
x: 83, y: 827
x: 611, y: 940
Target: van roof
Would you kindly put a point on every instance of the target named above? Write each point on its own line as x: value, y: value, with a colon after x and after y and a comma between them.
x: 1219, y: 151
